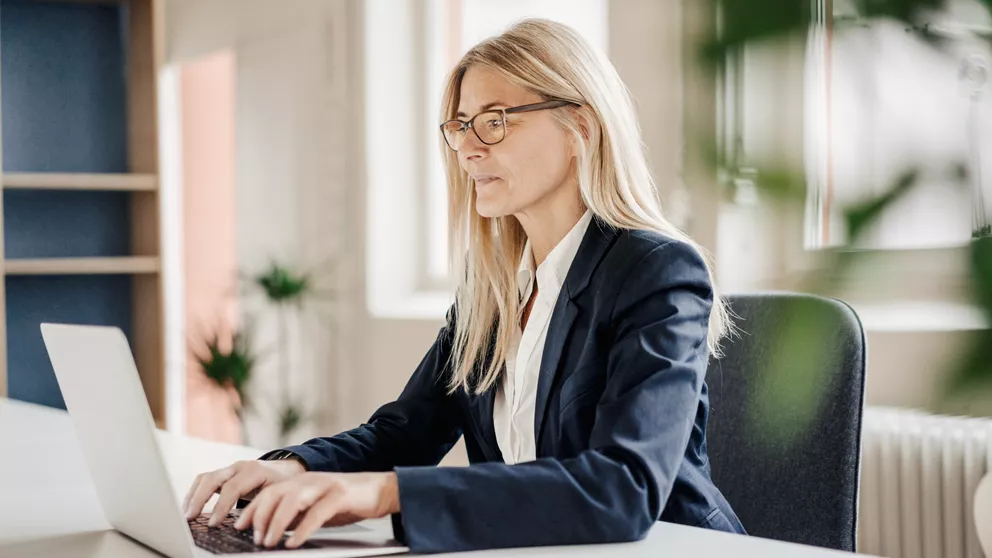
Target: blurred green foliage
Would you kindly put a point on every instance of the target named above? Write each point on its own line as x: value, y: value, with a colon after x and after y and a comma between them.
x: 232, y: 364
x: 282, y: 286
x: 229, y: 366
x: 749, y: 21
x: 286, y: 290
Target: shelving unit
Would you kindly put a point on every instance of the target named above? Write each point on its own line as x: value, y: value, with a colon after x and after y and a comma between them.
x: 80, y: 210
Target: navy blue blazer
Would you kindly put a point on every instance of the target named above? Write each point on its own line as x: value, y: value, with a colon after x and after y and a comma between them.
x: 620, y: 418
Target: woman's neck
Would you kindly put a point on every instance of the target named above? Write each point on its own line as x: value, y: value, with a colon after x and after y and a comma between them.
x: 547, y: 222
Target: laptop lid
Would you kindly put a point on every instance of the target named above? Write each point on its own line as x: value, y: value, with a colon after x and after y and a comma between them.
x: 103, y: 394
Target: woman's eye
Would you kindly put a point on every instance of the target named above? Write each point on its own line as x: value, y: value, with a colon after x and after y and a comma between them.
x: 494, y: 124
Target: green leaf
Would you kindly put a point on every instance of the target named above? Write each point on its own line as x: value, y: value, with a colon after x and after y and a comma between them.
x: 781, y: 184
x: 749, y: 21
x: 974, y: 368
x: 745, y: 21
x: 228, y: 368
x: 860, y: 216
x: 909, y: 11
x: 289, y: 419
x: 283, y: 286
x: 981, y: 272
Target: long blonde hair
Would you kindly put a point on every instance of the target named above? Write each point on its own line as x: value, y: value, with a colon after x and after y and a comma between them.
x: 553, y: 61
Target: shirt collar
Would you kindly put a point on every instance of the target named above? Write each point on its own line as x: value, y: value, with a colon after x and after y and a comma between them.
x: 525, y: 271
x: 554, y: 269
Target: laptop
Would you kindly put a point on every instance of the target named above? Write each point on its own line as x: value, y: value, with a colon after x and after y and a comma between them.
x: 103, y: 394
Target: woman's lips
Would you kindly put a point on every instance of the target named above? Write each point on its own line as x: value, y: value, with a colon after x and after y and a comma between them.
x: 481, y: 182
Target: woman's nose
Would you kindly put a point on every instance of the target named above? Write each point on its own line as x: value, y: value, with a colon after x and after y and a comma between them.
x: 472, y: 147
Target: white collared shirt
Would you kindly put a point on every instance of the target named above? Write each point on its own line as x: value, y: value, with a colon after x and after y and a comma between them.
x: 513, y: 412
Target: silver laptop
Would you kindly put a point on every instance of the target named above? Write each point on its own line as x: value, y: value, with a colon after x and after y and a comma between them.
x: 103, y: 394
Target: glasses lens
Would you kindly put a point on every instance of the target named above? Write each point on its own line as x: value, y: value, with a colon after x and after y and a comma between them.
x: 490, y: 127
x: 454, y: 134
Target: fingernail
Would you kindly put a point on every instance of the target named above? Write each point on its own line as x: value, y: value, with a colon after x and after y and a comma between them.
x: 257, y: 538
x: 291, y: 542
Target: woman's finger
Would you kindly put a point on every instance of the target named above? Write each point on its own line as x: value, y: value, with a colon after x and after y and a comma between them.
x: 206, y: 488
x: 290, y: 506
x: 238, y: 486
x: 244, y: 518
x: 192, y: 489
x: 264, y: 505
x: 323, y: 511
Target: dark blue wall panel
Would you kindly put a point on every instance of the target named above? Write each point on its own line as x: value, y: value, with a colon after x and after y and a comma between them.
x: 82, y: 299
x: 64, y: 102
x: 53, y: 224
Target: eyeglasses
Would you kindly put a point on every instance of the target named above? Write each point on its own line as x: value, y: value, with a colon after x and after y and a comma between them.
x: 490, y: 126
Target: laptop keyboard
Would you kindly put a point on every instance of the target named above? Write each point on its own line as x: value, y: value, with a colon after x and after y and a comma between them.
x: 225, y: 539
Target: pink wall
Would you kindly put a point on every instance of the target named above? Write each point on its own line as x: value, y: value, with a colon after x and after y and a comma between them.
x: 207, y: 106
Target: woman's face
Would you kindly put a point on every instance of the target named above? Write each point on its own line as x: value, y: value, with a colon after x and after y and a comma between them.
x: 533, y: 163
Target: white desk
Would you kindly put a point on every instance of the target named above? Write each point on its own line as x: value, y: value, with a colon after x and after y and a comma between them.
x: 48, y: 506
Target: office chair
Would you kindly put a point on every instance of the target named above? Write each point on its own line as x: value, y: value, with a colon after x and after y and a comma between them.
x: 803, y: 488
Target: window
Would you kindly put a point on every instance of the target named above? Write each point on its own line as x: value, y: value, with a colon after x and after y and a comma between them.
x: 453, y: 27
x: 890, y: 101
x: 874, y: 100
x: 853, y: 104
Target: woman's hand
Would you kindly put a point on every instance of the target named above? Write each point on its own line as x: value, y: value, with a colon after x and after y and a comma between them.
x: 317, y: 499
x: 236, y: 481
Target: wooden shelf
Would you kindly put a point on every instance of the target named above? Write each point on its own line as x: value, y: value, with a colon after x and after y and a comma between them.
x: 81, y: 1
x: 80, y: 181
x: 125, y: 265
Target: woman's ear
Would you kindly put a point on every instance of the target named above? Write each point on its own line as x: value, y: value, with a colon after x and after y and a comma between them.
x: 585, y: 120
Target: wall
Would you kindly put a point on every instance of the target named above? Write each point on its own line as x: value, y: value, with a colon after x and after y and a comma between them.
x: 646, y: 46
x: 288, y: 212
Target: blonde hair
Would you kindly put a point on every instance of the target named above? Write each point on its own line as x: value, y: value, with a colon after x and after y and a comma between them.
x: 555, y: 62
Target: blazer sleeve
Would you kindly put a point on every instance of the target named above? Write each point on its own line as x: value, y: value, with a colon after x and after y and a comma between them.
x: 419, y: 428
x: 615, y: 490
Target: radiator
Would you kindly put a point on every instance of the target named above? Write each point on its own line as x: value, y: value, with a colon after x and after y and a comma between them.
x: 918, y: 479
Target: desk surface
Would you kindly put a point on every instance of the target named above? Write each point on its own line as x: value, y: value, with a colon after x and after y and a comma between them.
x: 48, y: 506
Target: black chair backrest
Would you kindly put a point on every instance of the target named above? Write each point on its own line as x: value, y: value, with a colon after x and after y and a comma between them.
x: 801, y: 487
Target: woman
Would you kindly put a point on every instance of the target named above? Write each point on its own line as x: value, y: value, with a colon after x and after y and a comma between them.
x: 572, y: 360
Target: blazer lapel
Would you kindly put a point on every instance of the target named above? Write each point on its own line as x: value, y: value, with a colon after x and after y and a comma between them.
x: 597, y: 240
x: 484, y: 404
x: 487, y: 402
